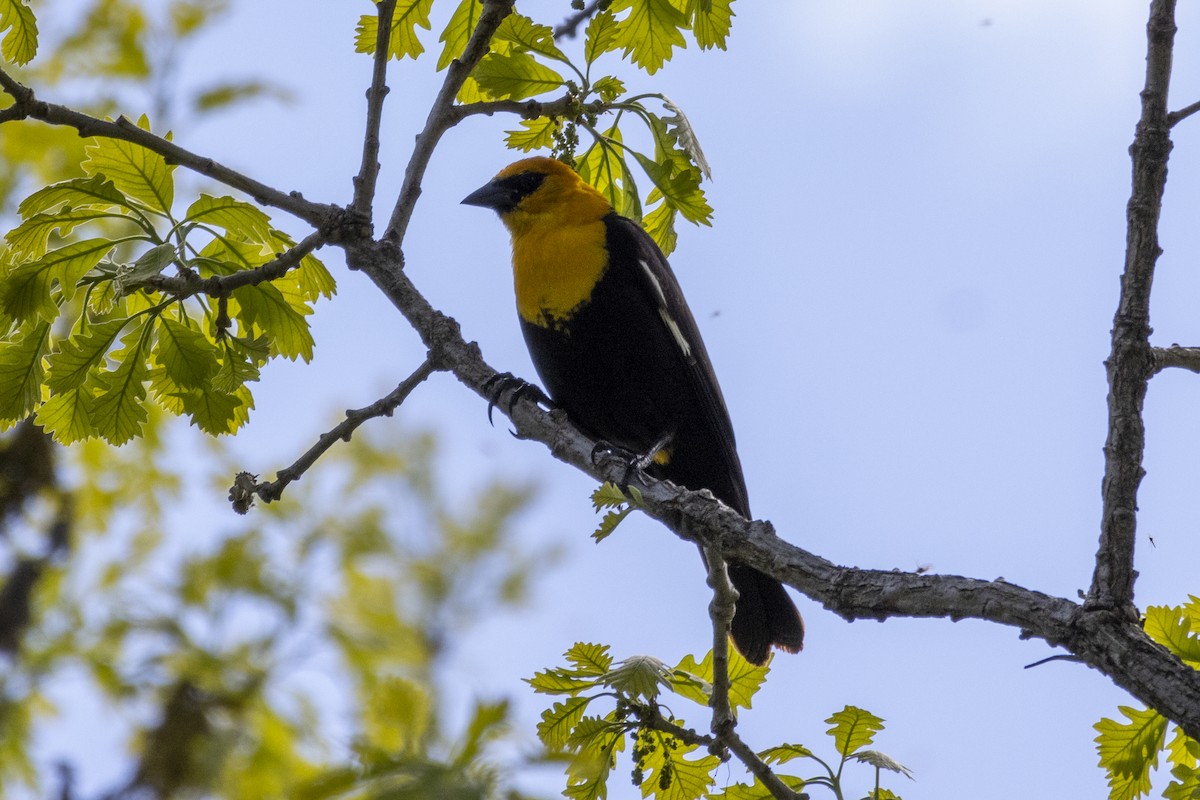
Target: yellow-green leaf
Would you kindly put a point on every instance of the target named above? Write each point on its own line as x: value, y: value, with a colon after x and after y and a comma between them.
x: 608, y: 88
x: 660, y: 224
x: 25, y: 292
x: 397, y: 715
x: 710, y: 20
x: 605, y: 169
x: 21, y: 373
x: 215, y: 412
x: 1172, y: 628
x: 680, y: 189
x: 137, y: 172
x: 20, y: 42
x: 67, y: 416
x: 29, y: 239
x: 589, y: 658
x: 79, y: 355
x: 526, y: 34
x: 601, y: 37
x: 514, y: 76
x: 403, y: 41
x: 188, y: 356
x: 238, y: 218
x: 93, y: 192
x: 265, y: 310
x: 639, y: 677
x: 1129, y: 750
x: 652, y: 29
x: 458, y: 31
x: 853, y: 728
x: 560, y: 720
x: 119, y: 410
x: 537, y: 134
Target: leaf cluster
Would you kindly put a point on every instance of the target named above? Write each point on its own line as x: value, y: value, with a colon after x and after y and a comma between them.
x: 612, y: 706
x: 1130, y: 749
x: 525, y: 61
x: 89, y: 339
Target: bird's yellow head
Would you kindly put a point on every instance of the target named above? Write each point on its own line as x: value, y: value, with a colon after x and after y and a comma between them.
x: 558, y: 236
x: 540, y: 191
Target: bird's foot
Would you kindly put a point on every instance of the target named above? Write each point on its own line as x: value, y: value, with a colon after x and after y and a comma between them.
x: 516, y: 388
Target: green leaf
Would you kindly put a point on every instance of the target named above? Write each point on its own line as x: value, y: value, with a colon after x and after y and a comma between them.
x: 312, y: 277
x: 25, y: 293
x: 537, y: 134
x: 514, y: 76
x: 784, y: 753
x: 29, y: 239
x: 119, y: 411
x: 403, y: 41
x: 266, y: 310
x: 1129, y: 750
x: 68, y: 416
x: 853, y: 728
x: 1172, y: 628
x: 602, y: 36
x: 608, y: 88
x: 458, y: 31
x: 21, y: 373
x: 639, y: 676
x: 650, y: 32
x: 590, y: 659
x: 530, y: 36
x: 1183, y: 749
x: 188, y: 356
x: 605, y: 170
x: 19, y: 45
x: 238, y: 218
x: 710, y: 21
x: 80, y: 355
x: 660, y: 225
x: 694, y: 679
x: 671, y: 776
x: 94, y: 192
x: 135, y: 171
x: 560, y: 720
x: 560, y: 681
x: 1186, y: 785
x: 680, y: 189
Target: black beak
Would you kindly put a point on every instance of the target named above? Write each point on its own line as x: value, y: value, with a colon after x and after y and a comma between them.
x: 493, y: 195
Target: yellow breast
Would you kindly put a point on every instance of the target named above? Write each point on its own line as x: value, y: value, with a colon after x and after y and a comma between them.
x: 555, y: 269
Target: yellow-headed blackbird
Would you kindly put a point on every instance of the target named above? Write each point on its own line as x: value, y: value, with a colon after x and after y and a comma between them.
x: 617, y: 348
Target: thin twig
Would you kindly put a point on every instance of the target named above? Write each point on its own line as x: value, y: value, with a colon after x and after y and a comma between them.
x: 317, y: 214
x: 720, y: 610
x: 1175, y: 117
x: 368, y: 173
x: 569, y: 27
x: 1131, y: 363
x: 528, y: 109
x: 441, y: 116
x: 725, y: 735
x: 189, y: 283
x: 269, y: 492
x: 1175, y: 356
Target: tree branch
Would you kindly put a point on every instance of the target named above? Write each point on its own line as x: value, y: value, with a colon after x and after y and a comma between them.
x: 189, y: 283
x: 569, y: 27
x: 27, y: 106
x: 1131, y: 362
x: 1175, y: 356
x: 441, y: 116
x: 368, y: 173
x: 1175, y: 117
x: 720, y: 610
x: 245, y: 488
x: 528, y: 109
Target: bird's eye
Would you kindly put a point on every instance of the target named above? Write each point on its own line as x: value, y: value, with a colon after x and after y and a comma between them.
x: 525, y: 184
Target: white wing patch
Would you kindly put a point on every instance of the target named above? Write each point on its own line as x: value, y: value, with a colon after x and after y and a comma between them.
x: 671, y: 324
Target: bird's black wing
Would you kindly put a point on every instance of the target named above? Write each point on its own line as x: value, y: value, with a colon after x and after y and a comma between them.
x: 704, y: 455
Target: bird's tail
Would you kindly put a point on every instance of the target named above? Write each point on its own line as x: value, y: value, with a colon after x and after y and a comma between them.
x: 765, y: 617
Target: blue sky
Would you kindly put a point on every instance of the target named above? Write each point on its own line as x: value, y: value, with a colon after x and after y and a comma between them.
x: 906, y: 292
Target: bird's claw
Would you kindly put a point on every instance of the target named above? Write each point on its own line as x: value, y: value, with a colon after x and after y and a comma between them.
x: 517, y: 388
x: 634, y: 463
